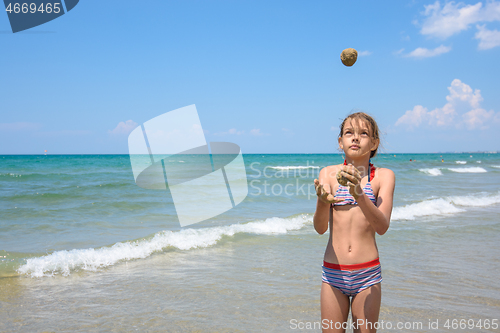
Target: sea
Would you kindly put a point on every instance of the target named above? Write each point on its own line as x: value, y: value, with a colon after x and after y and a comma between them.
x: 83, y: 248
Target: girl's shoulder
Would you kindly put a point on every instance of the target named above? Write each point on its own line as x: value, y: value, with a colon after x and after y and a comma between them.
x: 330, y: 167
x: 384, y: 173
x: 329, y: 171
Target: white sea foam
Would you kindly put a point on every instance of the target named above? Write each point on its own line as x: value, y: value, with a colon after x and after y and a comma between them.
x: 475, y: 200
x: 295, y: 167
x: 496, y: 166
x: 63, y: 262
x: 442, y: 206
x: 424, y: 208
x: 478, y: 161
x: 468, y: 170
x: 461, y: 162
x: 432, y: 172
x: 10, y: 174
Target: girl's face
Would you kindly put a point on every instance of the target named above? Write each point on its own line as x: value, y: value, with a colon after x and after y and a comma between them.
x: 357, y: 139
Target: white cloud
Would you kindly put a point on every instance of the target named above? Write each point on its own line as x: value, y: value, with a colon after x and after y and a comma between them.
x: 413, y: 118
x: 453, y: 18
x: 398, y: 52
x: 235, y: 131
x: 364, y: 53
x: 477, y: 117
x: 123, y: 127
x: 256, y: 132
x: 443, y: 22
x: 488, y: 39
x: 462, y: 92
x: 232, y: 131
x: 443, y: 116
x: 462, y: 100
x: 422, y: 52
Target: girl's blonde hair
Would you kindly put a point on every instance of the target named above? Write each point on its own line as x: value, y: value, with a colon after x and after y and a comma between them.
x: 372, y: 124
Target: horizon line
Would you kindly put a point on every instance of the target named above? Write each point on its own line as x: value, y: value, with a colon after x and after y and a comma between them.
x: 392, y: 153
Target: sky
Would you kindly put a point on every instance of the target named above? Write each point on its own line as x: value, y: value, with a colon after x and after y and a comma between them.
x: 265, y: 75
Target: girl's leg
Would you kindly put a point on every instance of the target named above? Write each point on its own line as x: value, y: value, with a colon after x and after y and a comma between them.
x: 365, y: 307
x: 334, y: 308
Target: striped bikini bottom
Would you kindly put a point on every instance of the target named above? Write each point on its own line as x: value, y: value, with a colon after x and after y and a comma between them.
x: 352, y: 279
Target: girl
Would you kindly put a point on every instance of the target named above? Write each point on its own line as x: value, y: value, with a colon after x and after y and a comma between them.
x: 354, y: 213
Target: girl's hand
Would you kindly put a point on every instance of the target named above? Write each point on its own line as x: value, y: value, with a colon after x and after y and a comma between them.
x: 354, y: 180
x: 324, y: 193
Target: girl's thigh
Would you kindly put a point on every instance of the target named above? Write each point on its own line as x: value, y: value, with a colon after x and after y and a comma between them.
x: 334, y: 308
x: 365, y: 309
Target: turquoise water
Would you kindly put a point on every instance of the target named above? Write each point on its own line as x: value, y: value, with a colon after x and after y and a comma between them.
x: 77, y: 230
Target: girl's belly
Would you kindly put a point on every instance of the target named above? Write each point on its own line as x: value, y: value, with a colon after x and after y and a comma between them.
x: 352, y: 239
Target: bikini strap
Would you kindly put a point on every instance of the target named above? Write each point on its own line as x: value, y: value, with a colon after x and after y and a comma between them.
x: 372, y: 171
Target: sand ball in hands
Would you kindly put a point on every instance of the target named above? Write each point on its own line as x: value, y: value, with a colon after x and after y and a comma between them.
x: 341, y: 179
x: 349, y: 56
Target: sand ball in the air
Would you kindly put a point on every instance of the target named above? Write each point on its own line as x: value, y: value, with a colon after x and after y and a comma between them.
x: 349, y: 56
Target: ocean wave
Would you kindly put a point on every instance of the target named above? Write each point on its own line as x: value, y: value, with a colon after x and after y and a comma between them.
x: 496, y: 166
x: 66, y: 174
x: 10, y: 175
x: 461, y: 162
x: 64, y: 262
x: 443, y: 206
x: 468, y: 170
x: 295, y: 167
x: 475, y: 200
x: 432, y: 172
x: 424, y: 208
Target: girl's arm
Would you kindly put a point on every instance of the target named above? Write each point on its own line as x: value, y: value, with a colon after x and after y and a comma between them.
x: 325, y: 199
x: 321, y: 217
x: 379, y: 216
x: 322, y: 213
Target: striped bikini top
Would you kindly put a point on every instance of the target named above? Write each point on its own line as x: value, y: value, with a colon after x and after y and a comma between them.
x: 343, y: 191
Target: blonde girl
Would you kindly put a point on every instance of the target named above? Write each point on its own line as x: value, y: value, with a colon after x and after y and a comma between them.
x: 354, y: 213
